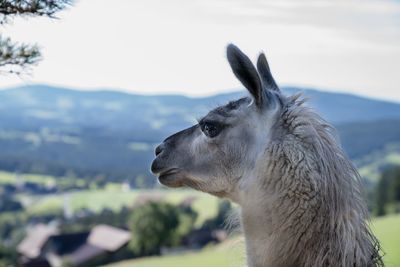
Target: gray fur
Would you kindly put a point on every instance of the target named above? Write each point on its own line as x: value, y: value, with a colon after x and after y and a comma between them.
x: 300, y: 197
x: 245, y: 71
x: 265, y: 73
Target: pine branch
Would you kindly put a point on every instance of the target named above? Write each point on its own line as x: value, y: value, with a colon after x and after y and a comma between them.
x: 17, y: 58
x: 12, y: 8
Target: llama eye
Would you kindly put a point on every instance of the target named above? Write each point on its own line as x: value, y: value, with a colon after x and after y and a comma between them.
x: 209, y: 129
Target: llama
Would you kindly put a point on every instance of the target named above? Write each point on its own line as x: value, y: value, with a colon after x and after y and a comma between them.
x: 299, y: 195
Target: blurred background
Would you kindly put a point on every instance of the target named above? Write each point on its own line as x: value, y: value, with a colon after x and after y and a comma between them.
x: 89, y: 88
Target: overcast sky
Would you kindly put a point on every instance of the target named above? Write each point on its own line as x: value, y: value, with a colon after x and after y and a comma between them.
x: 178, y: 46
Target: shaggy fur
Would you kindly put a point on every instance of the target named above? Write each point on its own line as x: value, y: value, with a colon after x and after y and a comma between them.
x: 300, y: 197
x: 319, y: 215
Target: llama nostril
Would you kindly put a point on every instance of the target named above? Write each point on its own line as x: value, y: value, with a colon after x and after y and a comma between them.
x: 159, y: 149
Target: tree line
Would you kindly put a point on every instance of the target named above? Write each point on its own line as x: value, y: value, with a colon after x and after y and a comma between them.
x: 387, y: 196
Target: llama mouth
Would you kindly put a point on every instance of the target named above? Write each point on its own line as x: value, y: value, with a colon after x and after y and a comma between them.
x: 171, y: 178
x: 169, y: 172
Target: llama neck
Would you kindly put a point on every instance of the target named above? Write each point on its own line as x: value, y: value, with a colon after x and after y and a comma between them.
x: 290, y: 218
x: 278, y: 229
x: 257, y: 233
x: 262, y: 234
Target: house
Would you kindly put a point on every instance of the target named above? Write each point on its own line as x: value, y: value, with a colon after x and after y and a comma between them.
x: 31, y: 246
x: 45, y: 247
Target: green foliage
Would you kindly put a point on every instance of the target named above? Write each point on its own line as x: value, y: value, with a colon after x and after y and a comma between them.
x: 12, y: 8
x: 382, y: 190
x: 372, y: 165
x: 388, y: 191
x: 8, y: 256
x: 8, y: 203
x: 395, y: 186
x: 187, y: 220
x: 153, y: 226
x: 15, y: 57
x: 224, y: 209
x: 12, y: 226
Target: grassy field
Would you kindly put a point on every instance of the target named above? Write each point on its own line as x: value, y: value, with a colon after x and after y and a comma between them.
x: 12, y: 178
x: 229, y: 253
x: 111, y: 197
x: 208, y: 257
x: 114, y: 198
x: 387, y: 230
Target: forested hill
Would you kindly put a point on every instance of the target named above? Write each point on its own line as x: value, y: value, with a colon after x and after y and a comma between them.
x: 59, y: 130
x: 62, y: 106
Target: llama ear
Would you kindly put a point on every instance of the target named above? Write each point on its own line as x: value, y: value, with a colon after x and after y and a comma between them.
x: 245, y: 71
x: 265, y: 73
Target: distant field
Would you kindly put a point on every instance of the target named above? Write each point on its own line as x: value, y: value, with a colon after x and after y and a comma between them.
x: 387, y: 229
x: 115, y: 198
x: 112, y: 196
x: 12, y: 178
x: 372, y: 171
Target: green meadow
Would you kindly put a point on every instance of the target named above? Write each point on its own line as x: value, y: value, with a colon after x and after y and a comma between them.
x: 387, y: 229
x: 114, y: 197
x: 227, y: 254
x: 11, y: 178
x: 208, y: 257
x: 97, y: 200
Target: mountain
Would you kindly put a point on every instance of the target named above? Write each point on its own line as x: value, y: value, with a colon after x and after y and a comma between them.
x: 58, y: 130
x: 340, y: 108
x: 40, y: 104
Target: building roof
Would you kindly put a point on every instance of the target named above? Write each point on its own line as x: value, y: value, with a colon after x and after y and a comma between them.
x: 108, y: 238
x: 37, y: 236
x: 65, y: 244
x: 35, y: 263
x: 85, y: 253
x: 43, y: 241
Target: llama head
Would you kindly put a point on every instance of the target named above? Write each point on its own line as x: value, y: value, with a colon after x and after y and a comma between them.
x: 219, y: 153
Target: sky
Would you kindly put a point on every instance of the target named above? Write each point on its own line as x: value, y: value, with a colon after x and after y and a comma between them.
x: 178, y: 46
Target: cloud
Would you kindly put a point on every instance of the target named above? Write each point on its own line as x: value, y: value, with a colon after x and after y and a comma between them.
x: 178, y: 46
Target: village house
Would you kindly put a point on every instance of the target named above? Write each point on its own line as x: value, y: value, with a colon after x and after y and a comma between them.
x: 45, y: 247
